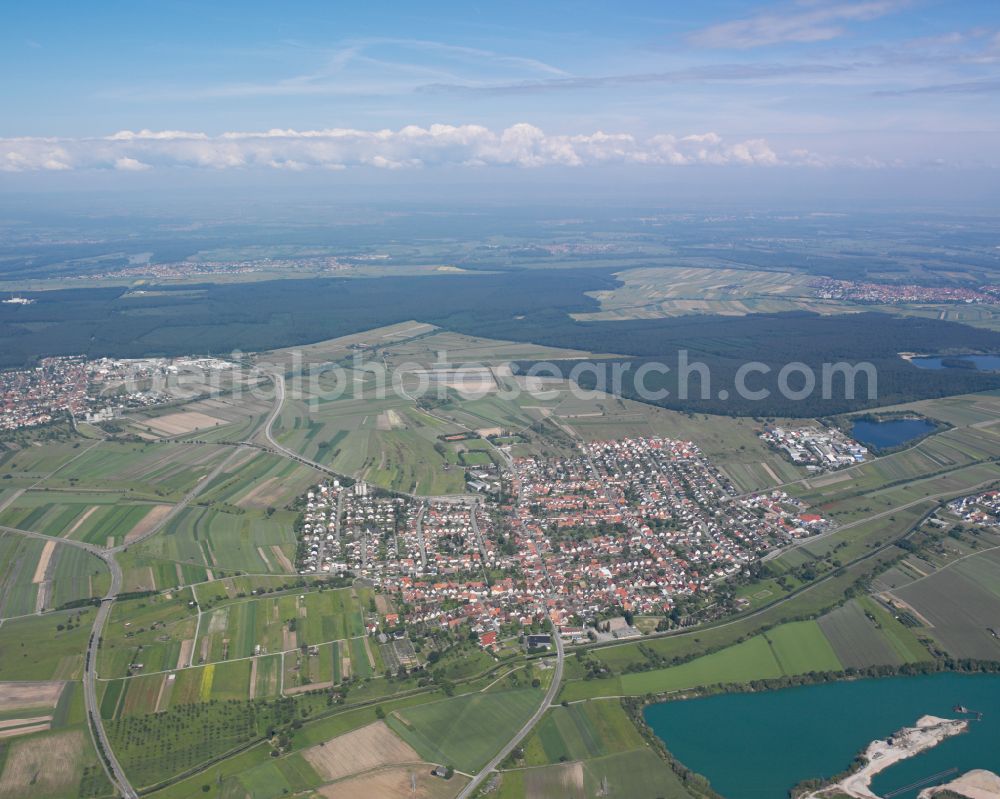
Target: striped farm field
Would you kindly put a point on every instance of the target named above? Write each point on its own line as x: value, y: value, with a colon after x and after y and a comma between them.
x: 207, y: 677
x: 465, y: 730
x: 580, y: 731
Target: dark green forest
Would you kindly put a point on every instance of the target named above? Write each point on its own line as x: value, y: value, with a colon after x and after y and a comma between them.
x: 521, y: 305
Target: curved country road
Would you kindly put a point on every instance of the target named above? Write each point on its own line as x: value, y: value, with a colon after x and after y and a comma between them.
x: 550, y: 695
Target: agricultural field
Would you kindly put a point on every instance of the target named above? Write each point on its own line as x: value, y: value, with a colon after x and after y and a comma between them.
x: 958, y: 605
x: 21, y: 573
x: 387, y: 442
x: 372, y: 747
x: 31, y: 707
x: 97, y: 518
x: 581, y: 731
x: 801, y: 647
x: 221, y: 538
x: 445, y: 346
x: 144, y: 572
x: 23, y: 466
x: 785, y: 650
x: 75, y: 574
x: 395, y: 783
x: 466, y: 730
x: 651, y: 292
x: 234, y: 650
x: 635, y: 773
x: 27, y: 770
x: 255, y: 770
x: 258, y: 481
x: 150, y: 470
x: 863, y: 633
x: 48, y: 647
x: 155, y: 747
x: 146, y: 634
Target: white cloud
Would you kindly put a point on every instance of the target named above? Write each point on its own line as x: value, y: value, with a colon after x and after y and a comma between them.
x: 127, y: 164
x: 521, y: 145
x: 807, y: 21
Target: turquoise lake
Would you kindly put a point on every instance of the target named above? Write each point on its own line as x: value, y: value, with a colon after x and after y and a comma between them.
x: 891, y: 432
x: 984, y: 363
x: 757, y: 746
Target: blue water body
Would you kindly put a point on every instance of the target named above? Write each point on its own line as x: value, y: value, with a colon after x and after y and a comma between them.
x: 757, y: 746
x: 891, y: 432
x: 984, y: 363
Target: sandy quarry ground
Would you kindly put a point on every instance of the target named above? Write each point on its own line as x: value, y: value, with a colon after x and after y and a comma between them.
x: 370, y: 747
x: 880, y: 755
x: 975, y: 784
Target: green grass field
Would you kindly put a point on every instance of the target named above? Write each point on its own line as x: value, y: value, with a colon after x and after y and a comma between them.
x: 785, y: 650
x: 33, y: 648
x: 801, y: 647
x: 466, y: 730
x: 580, y: 731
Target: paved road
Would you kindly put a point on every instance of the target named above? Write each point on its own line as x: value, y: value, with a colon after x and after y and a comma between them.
x: 550, y: 696
x: 419, y: 524
x: 477, y: 532
x: 116, y: 772
x: 113, y: 766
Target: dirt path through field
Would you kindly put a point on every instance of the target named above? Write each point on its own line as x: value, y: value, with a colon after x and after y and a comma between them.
x: 43, y: 577
x: 43, y: 562
x: 253, y: 678
x: 184, y: 656
x: 156, y: 515
x: 767, y: 468
x: 12, y: 733
x: 79, y: 522
x: 286, y: 564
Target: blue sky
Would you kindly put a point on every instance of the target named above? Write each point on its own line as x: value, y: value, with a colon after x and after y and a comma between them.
x: 814, y: 84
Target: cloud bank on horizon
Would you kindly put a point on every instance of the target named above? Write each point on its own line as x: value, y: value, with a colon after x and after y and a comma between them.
x: 521, y: 145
